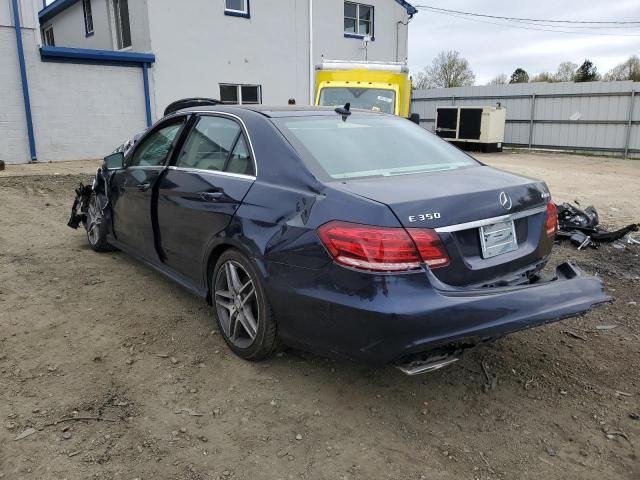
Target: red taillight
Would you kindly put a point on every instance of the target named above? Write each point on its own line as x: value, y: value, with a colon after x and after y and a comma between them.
x: 430, y: 247
x: 382, y: 249
x: 551, y: 225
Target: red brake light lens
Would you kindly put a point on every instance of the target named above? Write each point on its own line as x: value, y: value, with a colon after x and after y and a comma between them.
x: 551, y: 225
x: 430, y: 247
x: 382, y: 249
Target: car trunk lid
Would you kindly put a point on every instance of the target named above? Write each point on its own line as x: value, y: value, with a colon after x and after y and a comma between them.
x: 490, y: 221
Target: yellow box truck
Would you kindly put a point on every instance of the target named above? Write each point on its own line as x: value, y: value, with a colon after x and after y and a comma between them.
x: 376, y: 86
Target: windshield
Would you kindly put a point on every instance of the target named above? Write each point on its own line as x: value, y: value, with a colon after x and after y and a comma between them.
x: 374, y: 99
x: 369, y: 145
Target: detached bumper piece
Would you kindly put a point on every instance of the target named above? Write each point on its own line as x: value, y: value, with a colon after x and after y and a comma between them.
x: 79, y: 208
x: 583, y: 227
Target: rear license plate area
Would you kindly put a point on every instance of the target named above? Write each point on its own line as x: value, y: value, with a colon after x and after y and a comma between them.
x: 498, y: 238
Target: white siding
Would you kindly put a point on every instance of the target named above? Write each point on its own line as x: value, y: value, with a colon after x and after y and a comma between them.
x: 79, y: 111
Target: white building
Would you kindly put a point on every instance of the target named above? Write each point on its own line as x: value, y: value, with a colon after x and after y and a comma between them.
x: 240, y: 51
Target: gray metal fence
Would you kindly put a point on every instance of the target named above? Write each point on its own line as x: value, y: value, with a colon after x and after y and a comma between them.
x: 598, y: 117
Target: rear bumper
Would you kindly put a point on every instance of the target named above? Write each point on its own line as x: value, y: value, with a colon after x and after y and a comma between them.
x: 382, y: 319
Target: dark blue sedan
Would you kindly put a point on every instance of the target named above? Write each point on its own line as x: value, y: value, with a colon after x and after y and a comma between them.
x: 346, y: 233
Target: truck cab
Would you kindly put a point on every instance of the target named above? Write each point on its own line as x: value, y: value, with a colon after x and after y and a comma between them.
x: 375, y: 86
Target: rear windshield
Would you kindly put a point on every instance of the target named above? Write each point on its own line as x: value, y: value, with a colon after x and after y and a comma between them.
x: 374, y: 99
x: 369, y: 145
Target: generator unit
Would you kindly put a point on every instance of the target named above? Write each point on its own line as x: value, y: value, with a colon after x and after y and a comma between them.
x: 472, y: 128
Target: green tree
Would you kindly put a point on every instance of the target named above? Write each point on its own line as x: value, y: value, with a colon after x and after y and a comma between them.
x: 449, y: 69
x: 587, y: 72
x: 519, y: 76
x: 629, y: 70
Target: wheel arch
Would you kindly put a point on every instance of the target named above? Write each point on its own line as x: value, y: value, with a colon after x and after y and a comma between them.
x: 216, y: 250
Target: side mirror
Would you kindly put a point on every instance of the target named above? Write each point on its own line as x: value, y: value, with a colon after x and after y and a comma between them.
x: 115, y: 161
x: 415, y: 118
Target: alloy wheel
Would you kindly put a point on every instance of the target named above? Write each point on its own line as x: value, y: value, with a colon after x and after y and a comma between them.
x: 94, y: 218
x: 236, y: 303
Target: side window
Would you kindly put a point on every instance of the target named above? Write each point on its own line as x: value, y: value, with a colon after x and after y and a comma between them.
x: 154, y: 149
x: 216, y: 144
x: 88, y: 17
x: 240, y: 160
x: 47, y: 36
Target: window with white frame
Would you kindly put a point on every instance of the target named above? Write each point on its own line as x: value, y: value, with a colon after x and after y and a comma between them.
x: 88, y: 17
x: 231, y: 93
x: 122, y: 26
x: 47, y: 36
x: 237, y: 7
x: 358, y: 19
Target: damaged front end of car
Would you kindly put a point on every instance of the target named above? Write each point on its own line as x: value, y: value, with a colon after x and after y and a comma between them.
x: 80, y: 207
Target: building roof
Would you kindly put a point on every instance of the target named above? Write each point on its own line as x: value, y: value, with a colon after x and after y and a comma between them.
x: 58, y: 6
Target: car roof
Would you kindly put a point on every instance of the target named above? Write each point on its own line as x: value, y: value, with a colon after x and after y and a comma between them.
x: 274, y: 111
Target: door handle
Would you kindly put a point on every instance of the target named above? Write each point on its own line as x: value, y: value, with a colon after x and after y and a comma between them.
x: 211, y: 196
x: 143, y: 187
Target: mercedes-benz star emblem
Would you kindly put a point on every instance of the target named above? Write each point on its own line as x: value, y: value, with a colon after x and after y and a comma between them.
x: 505, y: 200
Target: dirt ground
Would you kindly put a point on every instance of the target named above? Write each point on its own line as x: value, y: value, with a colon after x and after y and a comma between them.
x: 109, y: 371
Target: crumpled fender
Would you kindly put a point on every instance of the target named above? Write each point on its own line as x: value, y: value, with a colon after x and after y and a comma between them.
x: 81, y: 201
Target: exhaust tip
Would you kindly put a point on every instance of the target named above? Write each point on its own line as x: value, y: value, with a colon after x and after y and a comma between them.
x: 432, y: 364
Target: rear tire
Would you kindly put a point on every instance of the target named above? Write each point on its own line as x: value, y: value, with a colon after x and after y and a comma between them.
x: 241, y: 307
x: 96, y: 225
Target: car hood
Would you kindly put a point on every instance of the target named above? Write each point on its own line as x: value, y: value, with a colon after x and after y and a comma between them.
x: 450, y: 197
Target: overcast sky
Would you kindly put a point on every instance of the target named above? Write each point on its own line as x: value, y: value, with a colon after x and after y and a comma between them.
x: 492, y: 49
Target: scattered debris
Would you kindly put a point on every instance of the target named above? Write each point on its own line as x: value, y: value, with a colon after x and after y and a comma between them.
x: 73, y: 454
x: 492, y: 378
x: 26, y: 433
x: 78, y: 419
x: 188, y: 411
x: 634, y: 416
x: 616, y: 433
x: 583, y: 229
x: 574, y: 335
x: 623, y: 394
x: 606, y: 327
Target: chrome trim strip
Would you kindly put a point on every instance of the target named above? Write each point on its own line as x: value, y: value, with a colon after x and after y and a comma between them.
x: 489, y: 221
x: 244, y: 127
x: 144, y: 167
x: 213, y: 172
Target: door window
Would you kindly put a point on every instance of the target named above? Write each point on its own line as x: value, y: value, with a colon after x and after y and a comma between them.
x: 153, y: 150
x: 216, y: 144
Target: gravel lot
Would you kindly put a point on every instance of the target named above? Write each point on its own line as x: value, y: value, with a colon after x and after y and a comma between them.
x: 102, y: 338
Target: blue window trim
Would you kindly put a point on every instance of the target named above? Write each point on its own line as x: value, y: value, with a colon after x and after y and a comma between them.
x: 106, y: 57
x: 232, y: 13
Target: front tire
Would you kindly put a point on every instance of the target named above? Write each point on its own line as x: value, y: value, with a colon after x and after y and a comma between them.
x: 242, y: 309
x: 96, y: 225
